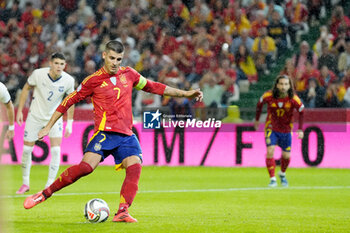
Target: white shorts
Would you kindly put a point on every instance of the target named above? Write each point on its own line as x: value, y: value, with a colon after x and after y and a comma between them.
x: 33, y: 126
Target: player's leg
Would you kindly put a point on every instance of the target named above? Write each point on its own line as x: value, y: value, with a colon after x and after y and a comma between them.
x: 284, y: 164
x: 70, y: 175
x: 271, y: 165
x: 286, y: 143
x: 26, y: 166
x: 55, y: 141
x: 271, y: 141
x: 31, y: 131
x: 130, y: 154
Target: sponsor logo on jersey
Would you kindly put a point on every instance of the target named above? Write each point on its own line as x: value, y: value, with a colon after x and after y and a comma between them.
x: 61, y: 88
x: 104, y: 84
x: 114, y: 80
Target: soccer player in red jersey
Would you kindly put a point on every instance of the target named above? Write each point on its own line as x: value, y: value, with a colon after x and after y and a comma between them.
x: 110, y: 89
x: 281, y: 102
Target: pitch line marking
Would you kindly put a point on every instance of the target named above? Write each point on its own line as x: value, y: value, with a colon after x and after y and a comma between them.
x: 192, y: 190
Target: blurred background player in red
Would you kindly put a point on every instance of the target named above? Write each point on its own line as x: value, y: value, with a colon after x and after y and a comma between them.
x: 110, y: 89
x: 281, y: 102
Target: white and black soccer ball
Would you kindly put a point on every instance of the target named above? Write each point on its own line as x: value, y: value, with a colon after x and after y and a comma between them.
x: 96, y: 210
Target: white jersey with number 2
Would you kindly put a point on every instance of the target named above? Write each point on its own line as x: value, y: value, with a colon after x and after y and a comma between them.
x: 48, y: 93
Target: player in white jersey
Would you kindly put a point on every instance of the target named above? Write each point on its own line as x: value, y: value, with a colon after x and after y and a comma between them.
x: 6, y: 100
x: 50, y: 86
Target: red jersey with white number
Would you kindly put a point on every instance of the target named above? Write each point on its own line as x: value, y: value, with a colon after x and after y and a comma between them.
x: 111, y: 98
x: 280, y: 111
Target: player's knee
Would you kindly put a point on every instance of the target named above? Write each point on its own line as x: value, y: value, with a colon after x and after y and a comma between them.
x: 131, y: 160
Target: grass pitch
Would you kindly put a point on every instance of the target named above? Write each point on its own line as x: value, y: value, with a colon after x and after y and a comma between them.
x: 187, y: 199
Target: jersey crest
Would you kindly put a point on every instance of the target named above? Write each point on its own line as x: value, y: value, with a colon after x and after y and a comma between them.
x: 287, y: 105
x: 123, y: 80
x: 280, y: 104
x: 61, y: 88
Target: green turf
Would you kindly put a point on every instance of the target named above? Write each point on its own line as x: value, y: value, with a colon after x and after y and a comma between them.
x: 188, y: 199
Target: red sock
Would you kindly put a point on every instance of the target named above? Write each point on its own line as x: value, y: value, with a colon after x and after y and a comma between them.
x: 284, y: 164
x: 270, y: 164
x: 129, y: 187
x: 69, y: 176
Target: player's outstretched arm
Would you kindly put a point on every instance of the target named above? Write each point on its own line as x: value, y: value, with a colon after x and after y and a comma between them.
x: 192, y: 94
x: 45, y: 131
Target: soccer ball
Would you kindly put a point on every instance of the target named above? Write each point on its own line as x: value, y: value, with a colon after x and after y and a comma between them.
x: 96, y: 210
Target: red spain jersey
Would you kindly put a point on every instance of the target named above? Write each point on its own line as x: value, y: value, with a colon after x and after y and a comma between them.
x: 111, y: 97
x: 280, y: 112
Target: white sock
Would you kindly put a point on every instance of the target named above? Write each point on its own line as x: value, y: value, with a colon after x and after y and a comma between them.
x: 273, y: 178
x: 26, y: 163
x: 54, y: 164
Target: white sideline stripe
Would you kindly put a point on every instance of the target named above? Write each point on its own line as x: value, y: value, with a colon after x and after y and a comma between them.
x: 192, y: 190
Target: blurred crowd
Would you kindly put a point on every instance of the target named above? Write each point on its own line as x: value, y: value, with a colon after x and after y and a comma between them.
x: 219, y: 46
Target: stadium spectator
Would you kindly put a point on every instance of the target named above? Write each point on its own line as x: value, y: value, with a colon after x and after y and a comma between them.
x: 232, y: 93
x: 279, y: 124
x: 344, y: 58
x: 51, y: 26
x: 245, y: 64
x: 258, y: 23
x: 236, y: 26
x: 278, y: 30
x: 327, y: 59
x: 335, y: 93
x: 242, y: 39
x: 289, y: 70
x: 338, y: 19
x: 264, y: 51
x: 50, y: 85
x: 27, y: 16
x: 253, y: 7
x: 183, y: 59
x: 15, y: 81
x: 200, y: 13
x: 324, y: 39
x: 158, y: 10
x: 297, y: 15
x: 326, y: 77
x: 315, y: 11
x: 339, y: 43
x: 304, y: 54
x: 271, y: 6
x: 213, y: 92
x: 313, y: 97
x: 177, y: 14
x: 115, y: 128
x: 13, y: 12
x: 347, y: 98
x: 203, y: 56
x: 346, y: 78
x: 6, y: 100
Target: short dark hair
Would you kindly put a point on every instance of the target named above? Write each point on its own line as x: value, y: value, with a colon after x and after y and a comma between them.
x: 115, y: 46
x: 58, y: 55
x: 275, y: 91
